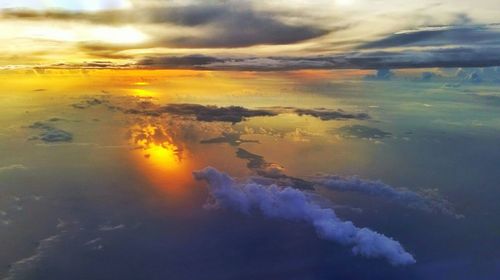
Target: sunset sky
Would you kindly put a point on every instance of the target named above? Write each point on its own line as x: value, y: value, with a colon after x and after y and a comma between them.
x: 250, y: 35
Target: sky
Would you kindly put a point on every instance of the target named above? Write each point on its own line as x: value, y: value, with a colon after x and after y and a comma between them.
x: 250, y: 35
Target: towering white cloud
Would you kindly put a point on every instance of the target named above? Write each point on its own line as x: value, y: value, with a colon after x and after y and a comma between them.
x: 295, y: 205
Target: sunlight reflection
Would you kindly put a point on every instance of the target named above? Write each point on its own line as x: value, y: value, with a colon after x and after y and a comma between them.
x: 161, y: 160
x: 139, y: 92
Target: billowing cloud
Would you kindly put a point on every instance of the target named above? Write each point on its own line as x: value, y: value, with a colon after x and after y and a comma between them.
x: 295, y: 205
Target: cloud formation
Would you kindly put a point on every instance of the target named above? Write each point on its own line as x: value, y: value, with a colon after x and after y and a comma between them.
x: 12, y: 167
x: 256, y: 35
x: 230, y: 24
x: 50, y: 133
x: 361, y: 131
x: 327, y: 114
x: 294, y: 205
x: 382, y: 59
x: 231, y: 114
x: 427, y: 201
x: 461, y: 35
x: 233, y: 139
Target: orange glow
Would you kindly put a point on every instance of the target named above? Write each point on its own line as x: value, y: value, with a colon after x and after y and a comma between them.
x: 139, y: 92
x: 164, y: 163
x: 164, y: 156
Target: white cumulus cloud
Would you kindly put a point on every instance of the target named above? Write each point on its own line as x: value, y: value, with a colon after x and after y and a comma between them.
x: 295, y: 205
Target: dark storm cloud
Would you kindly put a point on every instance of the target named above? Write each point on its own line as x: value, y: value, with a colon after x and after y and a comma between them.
x: 225, y: 25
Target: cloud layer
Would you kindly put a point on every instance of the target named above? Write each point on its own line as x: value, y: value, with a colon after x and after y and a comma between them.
x: 294, y: 205
x: 427, y: 201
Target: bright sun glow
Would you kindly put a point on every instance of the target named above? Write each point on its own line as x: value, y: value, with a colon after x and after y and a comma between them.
x: 344, y: 2
x: 119, y: 35
x: 139, y: 92
x: 77, y: 33
x: 164, y: 155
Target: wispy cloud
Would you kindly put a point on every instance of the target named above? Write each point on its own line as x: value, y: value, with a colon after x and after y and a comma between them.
x: 12, y: 167
x: 428, y: 200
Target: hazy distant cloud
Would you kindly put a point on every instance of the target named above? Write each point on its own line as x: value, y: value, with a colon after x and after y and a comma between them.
x: 12, y: 167
x: 188, y: 61
x: 381, y: 75
x: 360, y: 131
x: 457, y: 35
x: 296, y: 205
x: 327, y: 114
x: 436, y: 57
x: 50, y: 133
x: 231, y: 138
x: 428, y: 200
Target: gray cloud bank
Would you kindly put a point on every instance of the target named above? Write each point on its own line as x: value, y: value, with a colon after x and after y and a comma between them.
x: 295, y: 205
x: 383, y: 59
